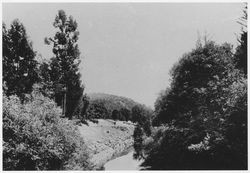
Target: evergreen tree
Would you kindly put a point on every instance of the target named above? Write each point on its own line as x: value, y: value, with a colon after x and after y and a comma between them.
x: 65, y: 63
x: 8, y: 66
x: 19, y: 64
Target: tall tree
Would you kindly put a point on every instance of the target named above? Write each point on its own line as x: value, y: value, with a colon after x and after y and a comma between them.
x: 19, y: 64
x: 8, y: 66
x: 192, y: 78
x: 204, y: 113
x: 65, y: 63
x: 241, y: 50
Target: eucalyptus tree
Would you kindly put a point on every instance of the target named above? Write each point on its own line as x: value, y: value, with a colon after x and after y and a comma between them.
x: 65, y: 63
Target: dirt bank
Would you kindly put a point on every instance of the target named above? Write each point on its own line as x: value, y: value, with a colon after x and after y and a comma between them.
x: 107, y: 140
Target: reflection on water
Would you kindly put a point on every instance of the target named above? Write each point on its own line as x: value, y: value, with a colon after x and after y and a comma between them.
x: 126, y: 162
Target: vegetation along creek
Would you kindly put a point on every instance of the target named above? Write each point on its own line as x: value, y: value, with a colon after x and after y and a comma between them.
x: 124, y: 86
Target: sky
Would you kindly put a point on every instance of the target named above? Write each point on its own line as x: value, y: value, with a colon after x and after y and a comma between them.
x: 128, y: 49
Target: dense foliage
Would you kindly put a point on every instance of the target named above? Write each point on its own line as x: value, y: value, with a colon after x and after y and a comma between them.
x: 142, y: 117
x: 202, y: 116
x: 36, y: 138
x: 200, y: 80
x: 204, y: 113
x: 19, y: 64
x: 96, y: 109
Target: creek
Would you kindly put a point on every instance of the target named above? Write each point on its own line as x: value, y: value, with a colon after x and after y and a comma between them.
x: 125, y: 162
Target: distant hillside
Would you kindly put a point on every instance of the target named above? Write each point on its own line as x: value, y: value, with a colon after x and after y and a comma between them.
x: 108, y: 106
x: 112, y: 102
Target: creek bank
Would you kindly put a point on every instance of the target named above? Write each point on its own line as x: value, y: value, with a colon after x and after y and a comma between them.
x: 125, y: 162
x: 107, y: 140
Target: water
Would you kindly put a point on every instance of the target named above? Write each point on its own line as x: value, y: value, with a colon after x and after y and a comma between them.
x: 126, y: 162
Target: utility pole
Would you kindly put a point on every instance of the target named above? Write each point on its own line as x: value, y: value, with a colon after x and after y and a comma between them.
x: 64, y: 101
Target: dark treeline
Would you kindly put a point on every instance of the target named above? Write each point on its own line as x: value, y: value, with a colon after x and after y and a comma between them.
x: 200, y: 120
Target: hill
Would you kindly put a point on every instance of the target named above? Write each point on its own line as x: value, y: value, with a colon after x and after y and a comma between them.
x: 113, y: 102
x: 108, y: 106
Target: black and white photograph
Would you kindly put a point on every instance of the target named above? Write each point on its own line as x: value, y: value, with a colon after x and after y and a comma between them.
x: 124, y: 86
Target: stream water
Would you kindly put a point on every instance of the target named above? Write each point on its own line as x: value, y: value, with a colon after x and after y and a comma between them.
x: 125, y: 162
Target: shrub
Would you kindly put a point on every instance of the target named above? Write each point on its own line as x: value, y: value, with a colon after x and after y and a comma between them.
x: 36, y: 138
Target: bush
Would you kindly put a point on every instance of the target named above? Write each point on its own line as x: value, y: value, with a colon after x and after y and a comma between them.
x: 36, y: 138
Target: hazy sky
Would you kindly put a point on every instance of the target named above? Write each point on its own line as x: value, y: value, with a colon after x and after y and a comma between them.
x: 127, y: 49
